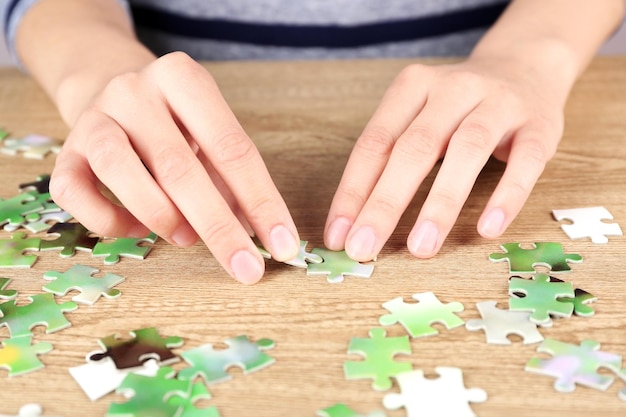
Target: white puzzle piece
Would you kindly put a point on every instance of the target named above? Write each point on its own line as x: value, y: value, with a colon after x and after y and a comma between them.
x: 498, y: 324
x: 587, y: 222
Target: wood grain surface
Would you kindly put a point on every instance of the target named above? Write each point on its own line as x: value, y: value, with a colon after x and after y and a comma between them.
x: 305, y: 118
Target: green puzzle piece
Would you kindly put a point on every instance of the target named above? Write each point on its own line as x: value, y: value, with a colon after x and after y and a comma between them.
x: 337, y: 264
x: 12, y: 251
x: 79, y: 277
x: 20, y: 357
x: 212, y: 364
x: 186, y: 406
x: 13, y: 210
x: 417, y: 318
x: 128, y: 247
x: 43, y: 310
x: 541, y: 296
x: 379, y: 352
x: 548, y: 254
x: 71, y: 237
x: 581, y: 300
x: 4, y: 293
x: 342, y: 410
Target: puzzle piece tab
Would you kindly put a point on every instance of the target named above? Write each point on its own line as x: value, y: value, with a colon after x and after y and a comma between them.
x: 548, y: 254
x: 541, y: 296
x: 342, y: 410
x: 587, y: 222
x: 212, y: 364
x: 79, y: 278
x: 43, y: 310
x: 20, y: 357
x: 125, y: 246
x: 336, y: 265
x: 498, y: 324
x: 444, y: 396
x: 379, y: 363
x: 417, y: 318
x: 71, y: 237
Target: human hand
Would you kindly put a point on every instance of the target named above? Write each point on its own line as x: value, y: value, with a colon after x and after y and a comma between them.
x: 464, y: 112
x: 165, y: 143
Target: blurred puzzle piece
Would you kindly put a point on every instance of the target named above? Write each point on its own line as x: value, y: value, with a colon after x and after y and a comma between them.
x: 31, y: 146
x: 19, y: 356
x: 587, y: 222
x: 42, y: 310
x: 12, y: 251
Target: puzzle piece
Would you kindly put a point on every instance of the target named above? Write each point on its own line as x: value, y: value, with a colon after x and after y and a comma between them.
x: 43, y: 310
x: 444, y: 396
x: 581, y: 300
x: 148, y: 396
x: 336, y: 265
x: 32, y: 146
x: 79, y: 277
x: 303, y: 258
x: 212, y: 364
x: 71, y: 237
x: 417, y: 318
x: 40, y: 186
x: 13, y: 210
x: 541, y: 297
x: 124, y: 246
x: 587, y: 222
x: 37, y: 223
x: 342, y: 410
x: 20, y: 357
x: 187, y: 407
x: 548, y: 254
x: 573, y: 364
x: 4, y: 293
x: 145, y: 344
x: 98, y: 378
x: 3, y: 133
x: 498, y: 324
x: 28, y: 410
x: 379, y: 352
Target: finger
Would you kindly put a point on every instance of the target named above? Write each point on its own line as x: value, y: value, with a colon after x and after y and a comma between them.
x: 402, y: 101
x: 531, y: 149
x: 207, y: 117
x: 413, y: 156
x: 470, y: 147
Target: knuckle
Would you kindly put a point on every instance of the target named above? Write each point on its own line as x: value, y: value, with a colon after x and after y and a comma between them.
x: 376, y: 141
x: 385, y: 205
x: 535, y: 152
x: 419, y: 143
x: 62, y: 187
x: 355, y: 195
x: 162, y: 219
x: 258, y: 207
x: 233, y: 148
x: 410, y: 72
x: 121, y: 85
x: 445, y: 200
x: 475, y: 137
x: 217, y: 231
x: 172, y: 164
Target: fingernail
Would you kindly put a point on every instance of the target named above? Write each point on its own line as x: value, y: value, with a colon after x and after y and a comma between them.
x: 246, y: 267
x: 361, y: 245
x: 284, y: 244
x: 492, y: 223
x: 424, y: 241
x: 184, y: 236
x: 337, y: 232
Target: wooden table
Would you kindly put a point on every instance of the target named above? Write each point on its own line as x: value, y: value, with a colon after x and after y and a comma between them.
x: 305, y: 118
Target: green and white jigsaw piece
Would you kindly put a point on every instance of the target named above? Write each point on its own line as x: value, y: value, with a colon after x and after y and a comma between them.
x: 336, y: 265
x: 13, y: 211
x: 125, y: 246
x: 19, y: 356
x: 12, y: 251
x: 303, y: 258
x: 43, y: 310
x: 71, y: 237
x: 548, y: 254
x: 498, y: 324
x: 541, y: 296
x: 79, y: 278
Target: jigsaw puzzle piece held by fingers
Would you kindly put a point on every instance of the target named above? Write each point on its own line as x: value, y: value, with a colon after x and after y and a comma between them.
x: 587, y: 222
x: 336, y: 265
x: 417, y: 318
x: 498, y: 324
x: 342, y: 410
x: 79, y: 278
x: 124, y: 247
x: 19, y: 356
x: 303, y: 258
x: 548, y: 254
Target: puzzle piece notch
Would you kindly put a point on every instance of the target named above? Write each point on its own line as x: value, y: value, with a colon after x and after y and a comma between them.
x: 572, y: 364
x: 541, y: 297
x: 212, y: 364
x: 379, y: 363
x: 587, y: 222
x: 4, y: 293
x: 31, y: 146
x: 71, y: 237
x: 124, y: 247
x: 80, y: 278
x: 498, y: 324
x: 145, y: 344
x: 443, y: 396
x: 42, y: 310
x: 342, y: 410
x: 417, y: 318
x: 336, y: 265
x: 19, y: 356
x: 548, y: 254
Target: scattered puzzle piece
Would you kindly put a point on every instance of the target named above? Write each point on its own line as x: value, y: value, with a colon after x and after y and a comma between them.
x: 4, y: 293
x: 379, y: 363
x: 342, y: 410
x: 444, y: 396
x: 71, y: 237
x: 127, y: 247
x: 79, y: 277
x: 303, y: 258
x: 572, y: 364
x: 13, y: 210
x: 417, y: 318
x: 43, y: 310
x: 32, y: 146
x: 20, y: 357
x: 37, y: 223
x: 187, y: 407
x: 548, y: 254
x: 145, y: 344
x: 541, y: 296
x: 587, y: 222
x: 336, y: 265
x: 498, y: 324
x: 212, y: 364
x: 28, y: 410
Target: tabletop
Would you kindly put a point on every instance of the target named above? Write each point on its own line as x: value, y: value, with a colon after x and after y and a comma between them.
x: 304, y: 118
